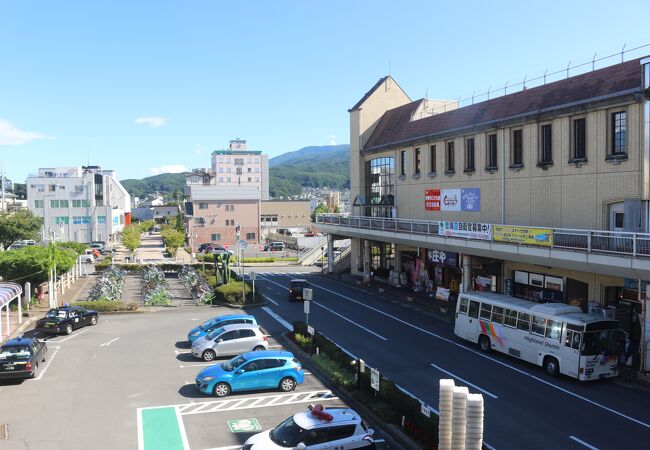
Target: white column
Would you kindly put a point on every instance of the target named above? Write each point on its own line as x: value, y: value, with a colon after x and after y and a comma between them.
x: 445, y: 404
x: 1, y: 326
x: 330, y: 253
x: 474, y: 435
x: 20, y: 309
x: 366, y: 260
x: 28, y: 294
x: 459, y: 418
x: 467, y: 273
x: 8, y: 327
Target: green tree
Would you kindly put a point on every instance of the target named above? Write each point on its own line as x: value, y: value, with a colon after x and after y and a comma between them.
x: 18, y: 226
x: 32, y: 263
x: 172, y: 238
x: 321, y: 208
x: 74, y: 246
x: 180, y: 223
x: 131, y: 236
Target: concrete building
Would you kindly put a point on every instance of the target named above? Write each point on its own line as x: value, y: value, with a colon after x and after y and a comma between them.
x: 81, y: 204
x: 543, y: 194
x: 239, y: 167
x: 333, y: 200
x: 165, y: 213
x: 294, y: 215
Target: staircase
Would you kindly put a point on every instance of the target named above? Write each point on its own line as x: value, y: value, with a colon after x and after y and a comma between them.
x: 310, y: 255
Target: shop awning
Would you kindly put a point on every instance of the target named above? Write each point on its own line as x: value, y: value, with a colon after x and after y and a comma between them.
x: 8, y: 292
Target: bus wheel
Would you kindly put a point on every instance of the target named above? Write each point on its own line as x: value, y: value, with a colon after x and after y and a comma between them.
x: 484, y: 343
x: 551, y: 366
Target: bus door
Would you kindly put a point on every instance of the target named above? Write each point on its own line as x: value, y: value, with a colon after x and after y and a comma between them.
x: 571, y: 351
x: 474, y: 326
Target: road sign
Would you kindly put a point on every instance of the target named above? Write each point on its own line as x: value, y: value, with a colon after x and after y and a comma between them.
x: 307, y: 294
x: 374, y: 379
x: 242, y: 244
x: 310, y: 330
x: 244, y: 425
x: 306, y: 303
x: 252, y: 275
x: 424, y: 409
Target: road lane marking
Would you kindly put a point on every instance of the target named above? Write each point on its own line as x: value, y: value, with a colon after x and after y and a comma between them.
x: 178, y: 352
x: 106, y: 344
x: 232, y: 447
x: 161, y: 428
x: 47, y: 364
x: 566, y: 391
x: 269, y: 299
x: 70, y: 337
x: 181, y: 426
x: 182, y: 366
x: 580, y: 441
x: 283, y: 322
x: 464, y: 381
x: 339, y: 315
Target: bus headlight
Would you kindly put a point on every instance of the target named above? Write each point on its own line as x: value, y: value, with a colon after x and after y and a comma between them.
x: 613, y: 368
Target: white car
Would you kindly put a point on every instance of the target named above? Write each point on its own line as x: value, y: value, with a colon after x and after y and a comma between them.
x: 230, y: 340
x: 316, y: 429
x: 87, y: 257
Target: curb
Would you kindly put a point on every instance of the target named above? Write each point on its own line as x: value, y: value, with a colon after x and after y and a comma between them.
x: 394, y: 435
x: 22, y: 327
x: 232, y: 306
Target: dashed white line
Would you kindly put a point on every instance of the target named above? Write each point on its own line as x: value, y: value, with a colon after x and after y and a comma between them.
x: 464, y: 381
x: 580, y: 441
x: 47, y: 365
x: 106, y: 344
x: 182, y: 366
x: 70, y: 337
x: 283, y: 322
x: 269, y: 299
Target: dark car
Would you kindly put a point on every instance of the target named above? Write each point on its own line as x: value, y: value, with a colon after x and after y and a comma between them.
x: 295, y: 288
x: 203, y: 247
x: 20, y: 357
x: 66, y: 319
x: 274, y: 247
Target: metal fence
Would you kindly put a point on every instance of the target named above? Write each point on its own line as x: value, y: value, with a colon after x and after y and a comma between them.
x: 590, y: 241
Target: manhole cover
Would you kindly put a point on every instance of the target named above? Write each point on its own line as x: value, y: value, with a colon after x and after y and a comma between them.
x: 4, y: 431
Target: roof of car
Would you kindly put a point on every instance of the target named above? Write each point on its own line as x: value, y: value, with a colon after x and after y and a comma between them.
x: 239, y: 326
x: 18, y: 341
x: 233, y: 316
x: 298, y: 280
x: 268, y: 354
x: 339, y: 416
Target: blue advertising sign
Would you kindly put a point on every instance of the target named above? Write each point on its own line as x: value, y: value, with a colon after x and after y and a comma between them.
x: 470, y: 199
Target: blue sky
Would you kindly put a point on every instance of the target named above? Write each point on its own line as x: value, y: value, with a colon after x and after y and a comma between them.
x: 149, y: 86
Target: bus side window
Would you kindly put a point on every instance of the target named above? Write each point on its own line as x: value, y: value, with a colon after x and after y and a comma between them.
x: 539, y: 324
x: 523, y: 322
x: 572, y: 339
x: 497, y: 314
x: 510, y: 320
x: 463, y: 306
x: 486, y: 311
x: 473, y: 309
x: 554, y: 330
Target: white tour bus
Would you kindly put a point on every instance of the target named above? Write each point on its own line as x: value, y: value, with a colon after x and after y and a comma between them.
x: 559, y: 337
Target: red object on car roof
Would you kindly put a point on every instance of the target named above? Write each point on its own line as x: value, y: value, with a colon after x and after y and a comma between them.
x: 319, y: 412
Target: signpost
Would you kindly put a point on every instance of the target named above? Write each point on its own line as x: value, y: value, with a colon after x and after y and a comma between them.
x: 241, y: 246
x: 253, y: 274
x: 307, y: 295
x: 374, y: 379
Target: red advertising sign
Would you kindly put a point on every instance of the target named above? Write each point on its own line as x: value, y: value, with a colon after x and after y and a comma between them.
x: 432, y: 199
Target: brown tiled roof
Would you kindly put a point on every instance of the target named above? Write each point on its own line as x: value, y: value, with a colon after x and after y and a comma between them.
x: 396, y: 126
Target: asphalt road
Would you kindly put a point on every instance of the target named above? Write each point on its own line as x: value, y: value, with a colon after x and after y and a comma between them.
x: 128, y: 383
x: 525, y: 408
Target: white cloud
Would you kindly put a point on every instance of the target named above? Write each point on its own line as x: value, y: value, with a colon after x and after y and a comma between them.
x: 10, y: 135
x: 153, y: 122
x: 332, y: 139
x: 170, y: 168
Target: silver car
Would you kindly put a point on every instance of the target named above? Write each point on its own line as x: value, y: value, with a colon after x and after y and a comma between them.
x: 230, y: 340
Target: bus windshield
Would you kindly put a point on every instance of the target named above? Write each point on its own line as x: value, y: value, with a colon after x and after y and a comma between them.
x: 600, y: 343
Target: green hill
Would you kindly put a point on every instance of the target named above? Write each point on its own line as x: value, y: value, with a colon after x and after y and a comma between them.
x: 165, y: 183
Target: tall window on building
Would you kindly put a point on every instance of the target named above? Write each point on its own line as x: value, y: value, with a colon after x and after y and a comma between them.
x: 545, y: 156
x: 469, y: 155
x: 250, y: 236
x: 416, y: 161
x: 517, y: 148
x: 402, y: 162
x: 101, y: 220
x: 491, y: 152
x: 619, y: 133
x: 215, y: 237
x: 380, y: 187
x: 449, y: 158
x: 203, y: 206
x: 432, y: 159
x: 39, y: 203
x: 579, y: 148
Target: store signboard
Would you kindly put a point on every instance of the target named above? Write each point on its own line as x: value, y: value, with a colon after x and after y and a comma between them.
x: 450, y: 200
x: 524, y: 235
x: 432, y: 199
x: 469, y: 230
x: 470, y: 199
x: 442, y: 257
x: 442, y: 294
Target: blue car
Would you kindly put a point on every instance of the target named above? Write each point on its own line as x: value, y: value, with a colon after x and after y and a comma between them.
x: 217, y: 322
x: 253, y: 370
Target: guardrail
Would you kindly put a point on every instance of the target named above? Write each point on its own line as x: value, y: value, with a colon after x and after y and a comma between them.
x: 590, y: 241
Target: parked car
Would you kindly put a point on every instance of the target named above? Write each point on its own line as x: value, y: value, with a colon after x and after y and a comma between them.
x: 204, y: 246
x: 17, y: 246
x: 99, y: 246
x: 274, y: 246
x: 295, y: 288
x: 230, y: 340
x: 284, y: 231
x: 216, y: 322
x: 253, y: 370
x: 66, y: 319
x: 28, y: 242
x: 316, y: 429
x: 87, y: 257
x: 20, y: 357
x: 219, y: 249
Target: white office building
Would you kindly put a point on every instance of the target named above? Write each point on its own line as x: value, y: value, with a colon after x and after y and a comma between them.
x: 81, y: 204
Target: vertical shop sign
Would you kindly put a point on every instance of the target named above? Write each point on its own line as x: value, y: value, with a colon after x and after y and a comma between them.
x: 432, y: 199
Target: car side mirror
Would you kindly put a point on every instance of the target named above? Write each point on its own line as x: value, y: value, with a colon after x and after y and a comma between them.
x: 239, y: 372
x: 219, y: 340
x: 301, y: 446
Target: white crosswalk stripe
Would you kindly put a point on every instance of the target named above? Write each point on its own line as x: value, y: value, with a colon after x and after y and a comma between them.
x: 255, y: 402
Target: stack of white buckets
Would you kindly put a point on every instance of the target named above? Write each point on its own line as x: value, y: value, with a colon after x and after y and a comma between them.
x: 461, y: 418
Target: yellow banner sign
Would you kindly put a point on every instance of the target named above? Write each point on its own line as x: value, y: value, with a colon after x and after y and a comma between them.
x: 523, y: 235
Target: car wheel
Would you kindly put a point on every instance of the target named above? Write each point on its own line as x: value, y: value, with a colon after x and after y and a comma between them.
x: 35, y: 372
x: 287, y: 384
x: 221, y: 389
x: 68, y: 329
x: 259, y: 348
x: 209, y: 355
x: 484, y: 343
x: 551, y: 366
x: 93, y: 320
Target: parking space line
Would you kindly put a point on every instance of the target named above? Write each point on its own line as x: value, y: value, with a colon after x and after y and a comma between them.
x: 580, y: 441
x: 232, y: 447
x: 106, y: 344
x: 269, y: 299
x: 47, y: 365
x: 196, y: 365
x: 181, y: 427
x: 283, y: 322
x: 70, y: 337
x: 464, y: 381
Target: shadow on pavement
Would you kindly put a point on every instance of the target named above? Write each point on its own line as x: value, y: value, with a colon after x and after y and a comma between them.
x: 191, y: 391
x: 187, y: 357
x: 182, y: 344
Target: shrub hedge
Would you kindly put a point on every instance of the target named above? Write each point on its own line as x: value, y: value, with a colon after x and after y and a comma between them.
x: 108, y: 305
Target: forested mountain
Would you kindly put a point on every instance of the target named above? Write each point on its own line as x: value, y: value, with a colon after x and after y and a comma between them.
x: 165, y: 183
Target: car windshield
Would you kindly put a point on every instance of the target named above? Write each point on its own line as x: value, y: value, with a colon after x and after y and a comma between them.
x: 55, y: 313
x: 14, y: 351
x: 288, y: 433
x: 215, y: 333
x: 600, y: 343
x: 229, y: 366
x: 299, y: 284
x: 207, y: 324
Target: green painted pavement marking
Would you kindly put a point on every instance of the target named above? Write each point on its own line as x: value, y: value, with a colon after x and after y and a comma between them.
x: 161, y: 430
x: 244, y: 425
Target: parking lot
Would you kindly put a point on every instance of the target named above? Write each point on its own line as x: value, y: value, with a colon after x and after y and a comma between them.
x: 129, y: 383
